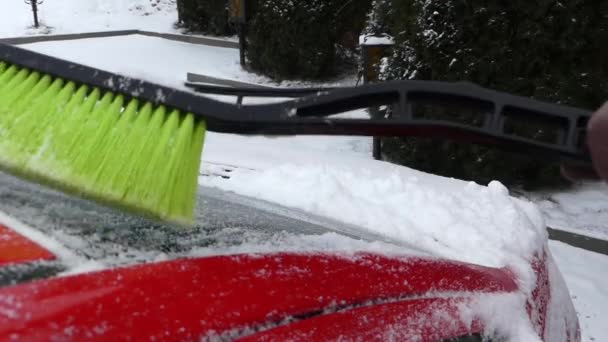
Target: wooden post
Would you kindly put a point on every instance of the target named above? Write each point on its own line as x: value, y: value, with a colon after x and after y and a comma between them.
x: 238, y: 16
x: 34, y: 4
x: 374, y: 48
x: 243, y: 44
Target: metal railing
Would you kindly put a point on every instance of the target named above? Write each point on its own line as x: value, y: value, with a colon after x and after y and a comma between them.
x: 220, y: 86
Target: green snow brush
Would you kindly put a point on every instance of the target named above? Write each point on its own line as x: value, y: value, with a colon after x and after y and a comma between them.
x: 104, y: 146
x: 137, y: 146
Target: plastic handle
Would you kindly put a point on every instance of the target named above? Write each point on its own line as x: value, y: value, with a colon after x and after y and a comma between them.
x: 312, y: 114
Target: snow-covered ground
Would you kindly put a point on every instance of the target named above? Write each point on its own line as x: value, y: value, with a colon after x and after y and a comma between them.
x: 586, y: 276
x: 582, y: 209
x: 74, y: 16
x: 335, y: 176
x: 152, y: 58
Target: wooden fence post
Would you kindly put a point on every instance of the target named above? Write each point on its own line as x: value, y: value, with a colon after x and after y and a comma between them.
x: 240, y: 12
x: 34, y: 4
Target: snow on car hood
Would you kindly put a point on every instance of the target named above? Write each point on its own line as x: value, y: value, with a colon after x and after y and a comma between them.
x: 449, y: 218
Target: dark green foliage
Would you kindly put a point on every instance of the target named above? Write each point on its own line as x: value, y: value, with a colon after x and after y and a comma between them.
x: 379, y: 17
x: 205, y: 16
x: 549, y: 50
x: 303, y: 39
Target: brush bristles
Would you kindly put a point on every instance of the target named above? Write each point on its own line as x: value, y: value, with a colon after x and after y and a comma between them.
x: 101, y: 146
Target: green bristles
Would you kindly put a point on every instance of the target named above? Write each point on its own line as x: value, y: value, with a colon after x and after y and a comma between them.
x: 100, y: 146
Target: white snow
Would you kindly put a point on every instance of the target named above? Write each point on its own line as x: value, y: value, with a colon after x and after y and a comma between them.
x: 452, y: 219
x: 585, y: 274
x: 504, y: 316
x: 582, y: 209
x: 329, y: 242
x: 150, y: 58
x: 75, y: 16
x: 376, y: 40
x: 162, y: 61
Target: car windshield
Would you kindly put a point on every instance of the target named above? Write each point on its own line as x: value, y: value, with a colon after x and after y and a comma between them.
x: 225, y: 223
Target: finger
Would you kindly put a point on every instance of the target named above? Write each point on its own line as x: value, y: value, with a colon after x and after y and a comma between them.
x: 597, y: 131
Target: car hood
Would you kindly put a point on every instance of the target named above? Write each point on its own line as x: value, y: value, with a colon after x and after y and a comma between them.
x: 243, y: 295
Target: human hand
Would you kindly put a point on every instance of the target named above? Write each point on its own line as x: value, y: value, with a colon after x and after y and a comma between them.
x: 597, y: 140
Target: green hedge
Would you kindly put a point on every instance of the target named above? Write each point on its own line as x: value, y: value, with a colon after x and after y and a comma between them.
x: 549, y: 50
x: 303, y: 39
x: 205, y: 16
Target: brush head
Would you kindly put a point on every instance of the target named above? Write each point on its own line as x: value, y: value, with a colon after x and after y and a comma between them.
x: 102, y: 146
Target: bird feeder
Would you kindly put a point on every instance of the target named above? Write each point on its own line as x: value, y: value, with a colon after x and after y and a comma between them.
x: 374, y: 48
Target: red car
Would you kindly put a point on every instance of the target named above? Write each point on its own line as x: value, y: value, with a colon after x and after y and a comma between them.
x: 150, y: 282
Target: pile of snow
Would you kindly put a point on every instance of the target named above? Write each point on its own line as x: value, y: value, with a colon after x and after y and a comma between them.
x: 452, y: 219
x: 335, y: 177
x: 76, y: 16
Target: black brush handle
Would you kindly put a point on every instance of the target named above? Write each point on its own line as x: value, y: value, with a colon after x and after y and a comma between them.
x: 312, y: 114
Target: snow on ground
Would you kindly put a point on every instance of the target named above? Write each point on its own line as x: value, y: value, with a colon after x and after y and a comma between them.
x: 75, y: 16
x: 159, y: 60
x: 335, y: 177
x: 585, y: 274
x: 154, y: 59
x: 582, y: 209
